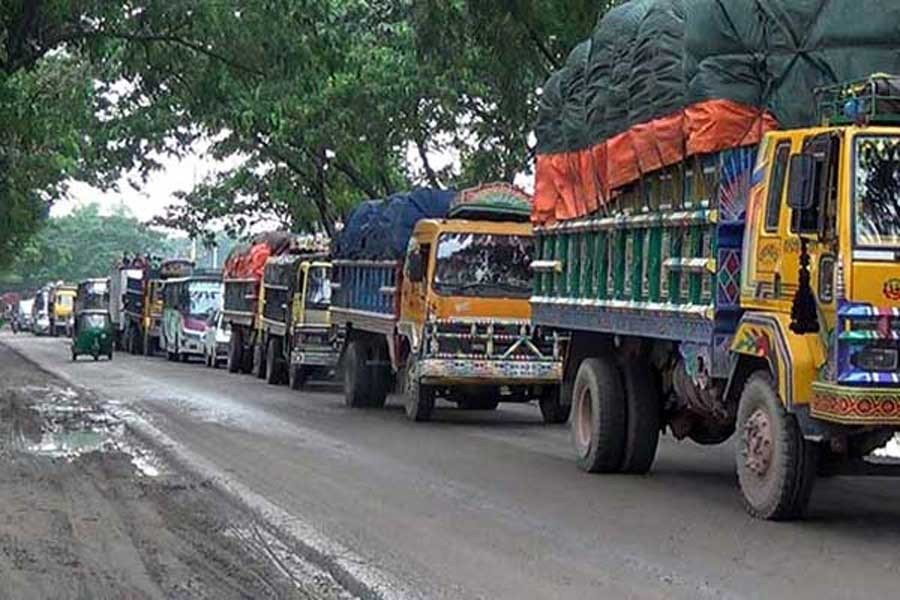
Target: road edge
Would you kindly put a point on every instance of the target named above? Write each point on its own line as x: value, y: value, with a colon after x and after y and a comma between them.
x: 349, y: 569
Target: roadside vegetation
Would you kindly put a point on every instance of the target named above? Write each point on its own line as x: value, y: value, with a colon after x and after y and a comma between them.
x: 325, y: 102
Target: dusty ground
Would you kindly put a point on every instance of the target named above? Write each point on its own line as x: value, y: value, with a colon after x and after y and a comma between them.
x: 87, y: 512
x: 489, y: 505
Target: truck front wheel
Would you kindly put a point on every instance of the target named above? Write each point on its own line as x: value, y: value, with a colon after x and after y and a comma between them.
x: 297, y: 377
x: 274, y: 366
x: 598, y: 416
x: 552, y: 408
x: 259, y: 359
x: 776, y: 466
x: 419, y: 400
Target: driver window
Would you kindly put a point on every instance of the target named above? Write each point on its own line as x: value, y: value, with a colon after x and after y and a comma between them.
x: 822, y: 215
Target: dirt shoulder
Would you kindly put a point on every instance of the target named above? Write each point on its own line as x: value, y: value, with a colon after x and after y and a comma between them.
x: 87, y: 511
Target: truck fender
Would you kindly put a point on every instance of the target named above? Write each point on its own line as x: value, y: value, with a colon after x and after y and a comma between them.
x: 793, y: 360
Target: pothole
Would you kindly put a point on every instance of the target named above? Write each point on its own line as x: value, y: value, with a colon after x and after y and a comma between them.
x: 70, y: 427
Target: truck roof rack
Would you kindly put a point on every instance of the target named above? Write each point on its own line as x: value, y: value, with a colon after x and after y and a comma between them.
x: 492, y: 202
x: 870, y: 101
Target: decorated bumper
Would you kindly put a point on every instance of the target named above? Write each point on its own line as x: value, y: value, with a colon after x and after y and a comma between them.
x: 508, y: 372
x: 315, y: 357
x: 855, y: 405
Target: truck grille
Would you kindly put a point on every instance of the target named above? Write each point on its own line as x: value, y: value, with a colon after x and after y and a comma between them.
x: 488, y: 339
x: 868, y: 345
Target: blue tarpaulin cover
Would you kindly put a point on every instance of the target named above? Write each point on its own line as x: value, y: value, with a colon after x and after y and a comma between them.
x: 380, y: 229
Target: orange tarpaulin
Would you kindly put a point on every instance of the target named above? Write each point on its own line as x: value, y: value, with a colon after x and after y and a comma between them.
x: 574, y: 184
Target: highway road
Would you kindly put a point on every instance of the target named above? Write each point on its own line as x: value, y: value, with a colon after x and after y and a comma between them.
x: 491, y: 505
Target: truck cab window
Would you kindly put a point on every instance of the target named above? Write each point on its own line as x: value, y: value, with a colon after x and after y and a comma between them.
x: 776, y: 185
x: 822, y: 215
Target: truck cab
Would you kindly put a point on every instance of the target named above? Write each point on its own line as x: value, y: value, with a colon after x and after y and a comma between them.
x: 465, y: 319
x: 821, y: 288
x: 314, y: 351
x: 294, y: 340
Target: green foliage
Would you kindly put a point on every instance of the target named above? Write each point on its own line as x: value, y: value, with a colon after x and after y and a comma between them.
x: 82, y: 245
x: 318, y: 101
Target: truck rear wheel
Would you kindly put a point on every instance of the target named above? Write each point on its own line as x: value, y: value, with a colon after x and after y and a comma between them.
x: 776, y: 466
x: 274, y: 362
x: 642, y: 417
x: 598, y: 416
x: 357, y: 376
x: 234, y: 352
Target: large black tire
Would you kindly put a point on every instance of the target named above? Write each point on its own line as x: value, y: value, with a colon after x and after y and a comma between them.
x: 642, y: 417
x: 382, y: 377
x: 776, y: 466
x: 552, y: 408
x: 598, y: 416
x: 259, y: 360
x: 274, y: 362
x: 235, y: 352
x: 357, y: 375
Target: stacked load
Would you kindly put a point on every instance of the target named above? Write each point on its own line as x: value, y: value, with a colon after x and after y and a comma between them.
x: 248, y: 261
x: 492, y: 202
x: 380, y: 229
x: 660, y: 81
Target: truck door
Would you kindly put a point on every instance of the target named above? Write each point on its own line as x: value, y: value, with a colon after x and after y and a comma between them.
x: 767, y: 279
x: 818, y: 224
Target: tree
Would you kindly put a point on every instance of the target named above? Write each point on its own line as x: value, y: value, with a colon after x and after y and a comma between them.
x: 321, y: 100
x: 496, y: 56
x: 82, y: 245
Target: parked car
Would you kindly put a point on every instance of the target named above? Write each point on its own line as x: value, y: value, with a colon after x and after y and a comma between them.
x: 24, y: 315
x: 217, y: 340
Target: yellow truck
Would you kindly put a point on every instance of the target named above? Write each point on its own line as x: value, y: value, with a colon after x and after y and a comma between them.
x: 447, y: 316
x: 764, y: 301
x: 62, y: 305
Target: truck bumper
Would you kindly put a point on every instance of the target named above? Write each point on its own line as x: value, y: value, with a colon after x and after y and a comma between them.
x: 855, y: 405
x: 444, y: 371
x: 315, y: 357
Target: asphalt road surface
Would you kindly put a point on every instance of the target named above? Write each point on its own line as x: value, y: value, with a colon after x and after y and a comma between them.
x: 491, y: 505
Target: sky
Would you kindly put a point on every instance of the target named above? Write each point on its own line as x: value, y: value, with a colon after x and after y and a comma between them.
x: 154, y: 195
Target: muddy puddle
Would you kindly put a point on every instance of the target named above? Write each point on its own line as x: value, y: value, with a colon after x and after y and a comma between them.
x: 64, y: 425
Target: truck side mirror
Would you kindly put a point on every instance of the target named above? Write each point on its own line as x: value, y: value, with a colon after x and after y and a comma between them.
x: 416, y: 267
x: 801, y: 182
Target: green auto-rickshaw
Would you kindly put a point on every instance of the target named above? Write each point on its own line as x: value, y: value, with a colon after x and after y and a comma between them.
x: 93, y: 331
x: 92, y: 334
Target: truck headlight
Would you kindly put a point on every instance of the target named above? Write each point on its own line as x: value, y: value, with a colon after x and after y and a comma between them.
x: 876, y: 359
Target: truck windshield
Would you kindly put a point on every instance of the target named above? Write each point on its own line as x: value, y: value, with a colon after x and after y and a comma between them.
x: 318, y: 289
x: 487, y: 265
x: 206, y: 298
x: 877, y: 191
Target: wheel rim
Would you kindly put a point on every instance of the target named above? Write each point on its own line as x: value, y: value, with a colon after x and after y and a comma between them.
x: 758, y: 443
x: 584, y: 414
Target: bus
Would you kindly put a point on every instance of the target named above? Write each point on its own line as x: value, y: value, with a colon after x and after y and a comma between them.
x: 188, y: 304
